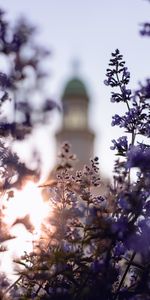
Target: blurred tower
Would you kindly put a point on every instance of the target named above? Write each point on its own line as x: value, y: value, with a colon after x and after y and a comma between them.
x: 75, y: 129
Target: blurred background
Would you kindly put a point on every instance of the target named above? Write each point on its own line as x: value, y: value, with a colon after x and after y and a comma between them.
x: 81, y: 35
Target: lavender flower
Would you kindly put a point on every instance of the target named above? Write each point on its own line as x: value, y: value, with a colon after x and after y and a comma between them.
x: 145, y: 31
x: 131, y: 219
x: 139, y: 156
x: 119, y: 250
x: 118, y: 76
x: 121, y: 145
x: 117, y: 120
x: 98, y: 266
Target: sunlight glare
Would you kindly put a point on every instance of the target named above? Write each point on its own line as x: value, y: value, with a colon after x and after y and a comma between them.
x: 28, y: 202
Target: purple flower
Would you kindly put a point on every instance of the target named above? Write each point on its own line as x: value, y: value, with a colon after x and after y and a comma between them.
x: 147, y: 129
x: 131, y: 115
x: 120, y: 226
x: 123, y: 203
x: 119, y: 249
x: 145, y: 31
x: 139, y: 157
x: 145, y: 89
x: 131, y: 120
x: 50, y: 105
x: 4, y: 283
x: 126, y: 74
x: 118, y: 76
x: 33, y: 295
x: 123, y: 96
x: 106, y: 82
x: 4, y: 82
x: 97, y: 266
x: 139, y: 241
x: 116, y: 120
x: 121, y: 145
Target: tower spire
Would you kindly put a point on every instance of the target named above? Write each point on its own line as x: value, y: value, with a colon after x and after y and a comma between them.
x: 75, y: 127
x: 75, y: 67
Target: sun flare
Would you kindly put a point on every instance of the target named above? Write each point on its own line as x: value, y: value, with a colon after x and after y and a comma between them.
x: 27, y: 207
x: 25, y: 212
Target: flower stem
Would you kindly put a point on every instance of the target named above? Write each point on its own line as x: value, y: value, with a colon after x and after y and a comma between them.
x: 124, y: 275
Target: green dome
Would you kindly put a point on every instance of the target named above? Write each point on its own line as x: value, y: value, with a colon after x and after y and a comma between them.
x: 75, y: 87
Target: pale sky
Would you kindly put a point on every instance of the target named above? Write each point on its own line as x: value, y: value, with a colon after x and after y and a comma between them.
x: 89, y: 30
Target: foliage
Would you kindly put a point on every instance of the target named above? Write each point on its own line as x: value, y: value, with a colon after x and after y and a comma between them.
x: 21, y: 76
x: 95, y: 247
x: 24, y: 78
